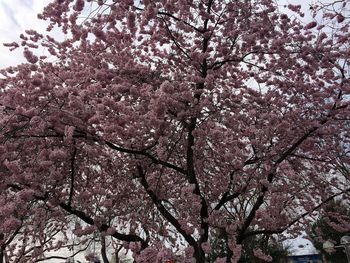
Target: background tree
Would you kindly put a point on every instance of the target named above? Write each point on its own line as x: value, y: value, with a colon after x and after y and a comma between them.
x: 333, y: 221
x: 267, y: 244
x: 157, y: 122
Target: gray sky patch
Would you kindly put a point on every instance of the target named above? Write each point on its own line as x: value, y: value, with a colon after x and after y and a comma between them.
x: 10, y: 14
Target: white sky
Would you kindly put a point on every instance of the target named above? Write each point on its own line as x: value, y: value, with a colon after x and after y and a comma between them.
x: 15, y: 17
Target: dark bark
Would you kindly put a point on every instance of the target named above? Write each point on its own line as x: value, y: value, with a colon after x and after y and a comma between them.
x: 103, y: 250
x: 1, y: 255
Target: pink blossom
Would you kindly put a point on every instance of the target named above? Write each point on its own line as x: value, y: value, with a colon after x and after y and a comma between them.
x: 295, y: 8
x: 79, y: 5
x: 30, y: 56
x: 10, y: 224
x: 261, y: 255
x: 58, y: 155
x: 310, y: 25
x: 110, y: 231
x: 164, y: 124
x: 340, y: 18
x: 12, y: 45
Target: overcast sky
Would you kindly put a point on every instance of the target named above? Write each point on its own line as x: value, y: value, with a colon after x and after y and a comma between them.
x: 15, y: 17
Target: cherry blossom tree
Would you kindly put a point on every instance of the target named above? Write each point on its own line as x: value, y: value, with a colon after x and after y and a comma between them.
x: 159, y: 123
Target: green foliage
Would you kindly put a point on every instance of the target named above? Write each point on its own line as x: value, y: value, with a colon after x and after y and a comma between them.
x: 218, y: 245
x: 268, y: 244
x: 321, y: 231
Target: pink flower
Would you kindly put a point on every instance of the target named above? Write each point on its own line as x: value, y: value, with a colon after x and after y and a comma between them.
x: 110, y: 231
x: 79, y: 5
x: 31, y: 58
x: 310, y: 25
x: 259, y: 254
x: 10, y: 224
x: 58, y: 155
x: 340, y: 18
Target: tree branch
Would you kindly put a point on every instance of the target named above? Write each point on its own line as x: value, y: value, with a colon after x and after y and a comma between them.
x: 89, y: 220
x: 264, y: 188
x: 174, y: 40
x: 180, y: 20
x: 146, y: 154
x: 161, y: 208
x: 80, y: 134
x: 296, y: 220
x: 71, y: 190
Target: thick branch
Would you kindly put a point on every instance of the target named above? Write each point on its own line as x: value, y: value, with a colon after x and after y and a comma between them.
x: 175, y: 41
x: 164, y: 212
x: 264, y: 188
x: 149, y: 156
x: 87, y: 219
x: 110, y: 145
x: 72, y: 172
x: 104, y: 250
x: 296, y: 220
x: 226, y: 197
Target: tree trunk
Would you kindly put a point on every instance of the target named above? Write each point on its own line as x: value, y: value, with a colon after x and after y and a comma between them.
x: 229, y: 253
x: 103, y: 250
x: 199, y: 255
